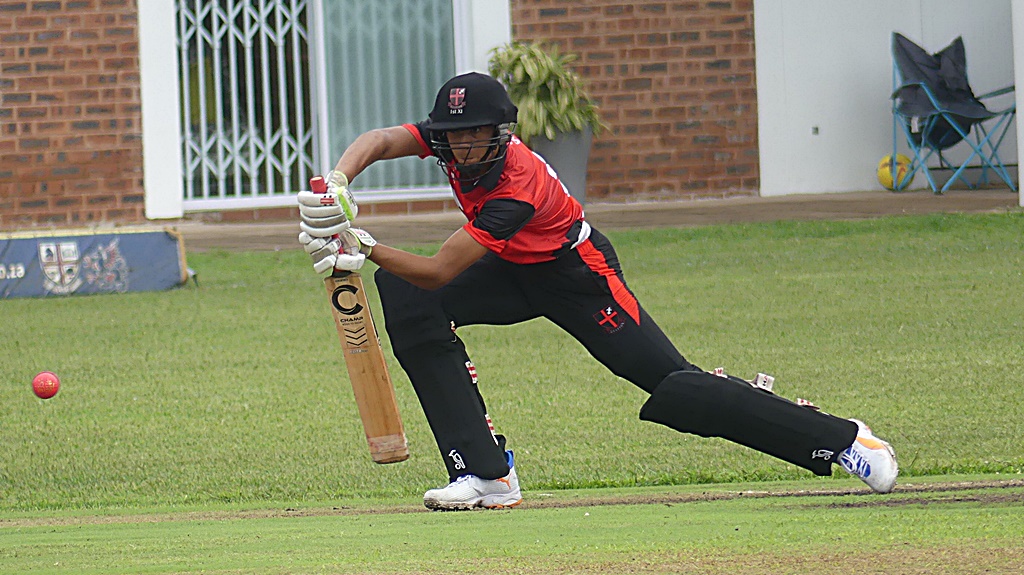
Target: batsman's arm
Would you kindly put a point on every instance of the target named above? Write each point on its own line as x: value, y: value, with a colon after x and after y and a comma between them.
x: 375, y: 145
x: 431, y: 272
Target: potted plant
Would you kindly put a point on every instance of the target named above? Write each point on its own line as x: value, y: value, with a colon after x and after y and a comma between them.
x: 557, y: 118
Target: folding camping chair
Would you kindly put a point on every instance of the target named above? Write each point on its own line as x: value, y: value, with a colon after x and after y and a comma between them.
x: 935, y: 108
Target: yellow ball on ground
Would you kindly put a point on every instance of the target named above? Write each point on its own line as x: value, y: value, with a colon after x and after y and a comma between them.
x: 885, y: 171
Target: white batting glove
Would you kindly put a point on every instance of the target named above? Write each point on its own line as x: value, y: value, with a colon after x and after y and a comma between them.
x: 357, y: 245
x: 346, y: 252
x: 324, y: 215
x: 357, y: 241
x: 323, y: 251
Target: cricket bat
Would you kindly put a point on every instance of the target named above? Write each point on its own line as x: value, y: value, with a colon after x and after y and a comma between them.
x: 364, y: 358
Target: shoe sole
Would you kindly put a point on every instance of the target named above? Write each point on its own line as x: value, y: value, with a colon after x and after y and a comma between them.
x: 439, y: 506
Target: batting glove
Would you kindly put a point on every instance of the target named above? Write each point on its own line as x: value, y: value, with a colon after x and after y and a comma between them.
x: 325, y: 215
x: 323, y: 251
x: 357, y: 245
x: 346, y: 252
x: 357, y: 241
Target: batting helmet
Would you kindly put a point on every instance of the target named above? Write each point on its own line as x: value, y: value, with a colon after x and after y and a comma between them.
x: 470, y: 101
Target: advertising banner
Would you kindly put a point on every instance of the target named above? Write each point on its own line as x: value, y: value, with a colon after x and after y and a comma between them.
x: 58, y: 263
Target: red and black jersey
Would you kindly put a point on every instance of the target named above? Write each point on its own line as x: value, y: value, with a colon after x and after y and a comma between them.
x: 520, y: 211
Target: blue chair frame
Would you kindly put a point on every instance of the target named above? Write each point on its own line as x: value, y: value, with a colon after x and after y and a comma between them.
x: 935, y: 109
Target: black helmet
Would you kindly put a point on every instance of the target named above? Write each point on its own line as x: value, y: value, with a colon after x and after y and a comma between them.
x: 470, y: 101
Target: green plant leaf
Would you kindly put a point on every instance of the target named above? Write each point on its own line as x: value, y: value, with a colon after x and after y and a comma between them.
x: 550, y: 96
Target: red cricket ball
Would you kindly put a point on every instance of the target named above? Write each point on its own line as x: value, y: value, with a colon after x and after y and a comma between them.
x: 46, y: 384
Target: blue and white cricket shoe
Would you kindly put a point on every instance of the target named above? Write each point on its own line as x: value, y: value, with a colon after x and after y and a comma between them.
x: 472, y: 492
x: 871, y: 459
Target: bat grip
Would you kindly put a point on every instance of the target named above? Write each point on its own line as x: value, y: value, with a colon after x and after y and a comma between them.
x: 318, y: 185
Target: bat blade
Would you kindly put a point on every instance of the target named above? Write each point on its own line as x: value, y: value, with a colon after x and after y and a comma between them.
x: 367, y: 369
x: 364, y: 358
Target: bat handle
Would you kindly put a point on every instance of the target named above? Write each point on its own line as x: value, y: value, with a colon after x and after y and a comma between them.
x: 318, y: 185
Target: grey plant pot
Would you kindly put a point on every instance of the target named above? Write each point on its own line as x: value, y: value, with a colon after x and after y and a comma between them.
x: 568, y: 154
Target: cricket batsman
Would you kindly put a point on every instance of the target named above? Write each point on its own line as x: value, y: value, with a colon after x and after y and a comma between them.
x: 527, y: 251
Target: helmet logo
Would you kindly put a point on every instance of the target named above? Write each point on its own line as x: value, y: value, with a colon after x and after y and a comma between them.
x: 456, y: 100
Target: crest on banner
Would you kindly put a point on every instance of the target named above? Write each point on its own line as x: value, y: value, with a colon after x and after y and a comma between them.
x: 60, y: 264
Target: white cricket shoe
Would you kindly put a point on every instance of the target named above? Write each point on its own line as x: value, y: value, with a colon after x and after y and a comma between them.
x: 470, y: 492
x: 871, y: 459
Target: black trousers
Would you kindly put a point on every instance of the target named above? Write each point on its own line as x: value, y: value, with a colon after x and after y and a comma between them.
x: 582, y: 292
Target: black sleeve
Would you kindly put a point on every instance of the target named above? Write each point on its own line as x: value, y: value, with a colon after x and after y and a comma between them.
x: 503, y: 218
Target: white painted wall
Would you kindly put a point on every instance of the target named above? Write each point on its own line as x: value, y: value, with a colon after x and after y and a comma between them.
x: 480, y: 25
x: 1018, y: 60
x: 161, y: 122
x: 827, y: 64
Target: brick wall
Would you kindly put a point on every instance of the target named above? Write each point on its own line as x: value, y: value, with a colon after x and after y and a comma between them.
x: 70, y: 117
x: 674, y: 81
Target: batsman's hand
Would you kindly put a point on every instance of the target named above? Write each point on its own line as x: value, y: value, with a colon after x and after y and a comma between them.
x: 323, y: 252
x: 324, y: 215
x: 347, y: 252
x: 357, y: 241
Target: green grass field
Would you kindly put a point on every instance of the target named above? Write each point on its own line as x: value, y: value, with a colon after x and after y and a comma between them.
x: 189, y: 421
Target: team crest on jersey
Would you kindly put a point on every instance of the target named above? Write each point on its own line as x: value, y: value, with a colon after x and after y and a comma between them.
x: 608, y: 318
x: 457, y: 100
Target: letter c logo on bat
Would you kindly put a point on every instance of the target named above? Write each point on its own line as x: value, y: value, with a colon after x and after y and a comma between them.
x: 351, y: 308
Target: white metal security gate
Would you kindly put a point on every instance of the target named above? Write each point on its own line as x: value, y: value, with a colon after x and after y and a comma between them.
x: 261, y: 78
x: 247, y: 130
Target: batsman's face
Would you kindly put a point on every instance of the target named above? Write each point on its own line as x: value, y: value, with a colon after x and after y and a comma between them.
x: 470, y: 146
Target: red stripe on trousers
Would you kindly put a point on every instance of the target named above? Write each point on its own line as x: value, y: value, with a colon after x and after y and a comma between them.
x: 596, y: 261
